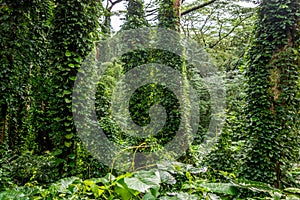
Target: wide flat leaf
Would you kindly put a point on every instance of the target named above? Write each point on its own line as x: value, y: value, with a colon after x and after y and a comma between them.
x: 62, y: 185
x: 180, y: 196
x: 148, y: 196
x: 143, y: 180
x: 13, y: 195
x: 256, y: 186
x: 137, y: 184
x: 122, y: 190
x: 220, y: 188
x: 166, y: 177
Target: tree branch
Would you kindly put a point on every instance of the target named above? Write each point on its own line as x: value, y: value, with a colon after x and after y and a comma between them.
x: 197, y: 7
x: 227, y: 34
x: 114, y: 3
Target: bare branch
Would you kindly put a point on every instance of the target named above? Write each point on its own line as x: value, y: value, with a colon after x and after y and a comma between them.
x: 148, y: 5
x: 197, y: 7
x: 152, y: 10
x: 227, y: 34
x: 206, y: 20
x: 114, y: 3
x: 150, y: 13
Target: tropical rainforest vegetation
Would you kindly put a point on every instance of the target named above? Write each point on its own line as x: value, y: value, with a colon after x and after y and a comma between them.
x: 44, y: 43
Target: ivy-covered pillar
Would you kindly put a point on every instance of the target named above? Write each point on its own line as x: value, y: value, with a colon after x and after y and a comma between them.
x: 272, y: 120
x: 74, y: 25
x: 40, y: 73
x: 169, y: 14
x: 135, y: 18
x: 4, y: 69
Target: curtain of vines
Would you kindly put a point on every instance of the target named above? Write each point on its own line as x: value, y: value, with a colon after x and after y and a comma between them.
x: 272, y: 128
x: 74, y: 24
x: 21, y: 54
x: 43, y: 43
x: 148, y: 95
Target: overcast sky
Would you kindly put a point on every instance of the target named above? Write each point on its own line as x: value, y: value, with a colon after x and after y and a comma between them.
x: 116, y: 21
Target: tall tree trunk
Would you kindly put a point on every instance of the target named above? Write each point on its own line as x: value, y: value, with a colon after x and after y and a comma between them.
x: 272, y: 106
x: 135, y: 16
x: 71, y: 41
x: 14, y: 70
x: 169, y: 17
x: 177, y: 9
x: 169, y: 14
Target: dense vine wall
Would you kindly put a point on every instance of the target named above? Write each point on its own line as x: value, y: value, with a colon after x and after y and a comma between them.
x: 272, y: 128
x: 74, y: 25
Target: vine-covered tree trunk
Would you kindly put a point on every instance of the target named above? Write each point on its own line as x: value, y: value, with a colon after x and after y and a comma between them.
x: 14, y: 74
x: 74, y: 24
x: 4, y: 71
x: 272, y: 129
x: 169, y: 14
x: 135, y: 16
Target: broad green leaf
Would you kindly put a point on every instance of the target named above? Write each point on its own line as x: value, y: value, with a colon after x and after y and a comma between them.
x: 220, y: 188
x: 68, y: 144
x: 69, y: 136
x: 68, y: 53
x: 137, y: 184
x: 143, y: 180
x: 122, y: 190
x: 148, y: 197
x: 62, y: 185
x: 256, y: 186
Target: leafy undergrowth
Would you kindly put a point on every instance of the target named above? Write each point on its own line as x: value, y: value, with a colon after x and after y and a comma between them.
x: 169, y: 181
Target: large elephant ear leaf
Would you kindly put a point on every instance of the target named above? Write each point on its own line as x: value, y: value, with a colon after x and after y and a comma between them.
x: 220, y: 188
x: 144, y: 180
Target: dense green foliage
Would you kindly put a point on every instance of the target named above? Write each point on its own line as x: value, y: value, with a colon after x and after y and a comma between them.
x: 266, y: 131
x: 42, y: 46
x: 74, y: 26
x: 272, y: 111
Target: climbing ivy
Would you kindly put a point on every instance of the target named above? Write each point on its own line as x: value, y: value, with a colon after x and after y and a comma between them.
x: 74, y: 25
x: 272, y: 106
x: 41, y: 12
x: 168, y: 14
x: 21, y: 26
x: 135, y: 15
